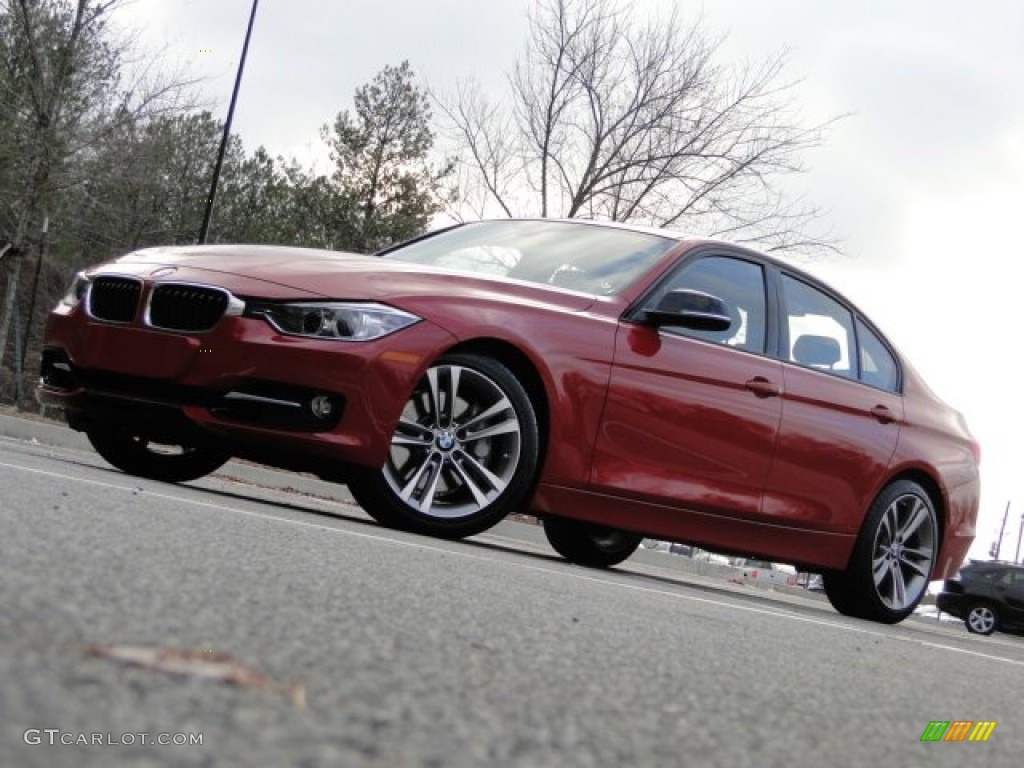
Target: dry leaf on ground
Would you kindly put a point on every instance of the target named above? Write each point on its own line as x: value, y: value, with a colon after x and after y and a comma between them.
x: 202, y: 665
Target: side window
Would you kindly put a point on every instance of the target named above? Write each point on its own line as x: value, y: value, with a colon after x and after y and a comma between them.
x: 739, y: 283
x: 877, y: 365
x: 820, y: 329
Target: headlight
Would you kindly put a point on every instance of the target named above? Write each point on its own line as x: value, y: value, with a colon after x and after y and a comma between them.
x: 333, y: 320
x: 76, y: 291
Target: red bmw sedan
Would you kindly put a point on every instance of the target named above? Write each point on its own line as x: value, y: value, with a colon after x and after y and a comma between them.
x: 618, y: 382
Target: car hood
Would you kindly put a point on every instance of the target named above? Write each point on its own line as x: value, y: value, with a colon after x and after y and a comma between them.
x: 272, y: 272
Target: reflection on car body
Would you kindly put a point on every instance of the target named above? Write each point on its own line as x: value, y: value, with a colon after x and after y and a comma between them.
x: 615, y: 381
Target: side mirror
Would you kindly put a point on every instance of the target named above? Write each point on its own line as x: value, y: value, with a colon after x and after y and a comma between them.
x: 695, y: 310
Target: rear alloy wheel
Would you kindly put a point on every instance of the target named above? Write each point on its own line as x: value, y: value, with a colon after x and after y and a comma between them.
x: 893, y: 558
x: 156, y: 461
x: 463, y: 456
x: 982, y: 619
x: 594, y: 546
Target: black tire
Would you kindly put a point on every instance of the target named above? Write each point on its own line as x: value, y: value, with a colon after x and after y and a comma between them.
x: 156, y: 461
x: 357, y: 486
x: 982, y: 618
x: 464, y: 455
x: 893, y: 558
x: 593, y: 546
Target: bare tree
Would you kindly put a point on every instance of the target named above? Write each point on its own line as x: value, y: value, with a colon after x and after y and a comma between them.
x: 613, y: 117
x: 63, y: 88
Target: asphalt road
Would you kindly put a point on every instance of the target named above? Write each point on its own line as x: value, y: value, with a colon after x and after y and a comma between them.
x: 414, y: 652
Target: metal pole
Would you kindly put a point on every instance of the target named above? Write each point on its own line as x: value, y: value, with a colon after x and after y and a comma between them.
x: 1020, y: 535
x: 1002, y: 530
x: 204, y: 230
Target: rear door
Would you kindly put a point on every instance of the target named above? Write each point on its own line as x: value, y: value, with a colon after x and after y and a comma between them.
x: 691, y: 416
x: 841, y: 412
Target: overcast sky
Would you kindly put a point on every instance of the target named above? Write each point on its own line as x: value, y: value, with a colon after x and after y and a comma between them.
x: 924, y: 180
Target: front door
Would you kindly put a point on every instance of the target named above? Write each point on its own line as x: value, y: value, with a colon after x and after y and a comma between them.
x: 691, y: 416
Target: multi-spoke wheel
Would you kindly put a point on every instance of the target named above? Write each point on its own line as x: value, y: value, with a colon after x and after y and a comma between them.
x: 982, y: 619
x: 464, y: 453
x: 157, y: 461
x: 893, y: 559
x: 594, y: 546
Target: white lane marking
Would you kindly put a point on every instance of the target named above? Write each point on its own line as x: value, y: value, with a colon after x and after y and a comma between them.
x: 778, y: 613
x: 42, y: 450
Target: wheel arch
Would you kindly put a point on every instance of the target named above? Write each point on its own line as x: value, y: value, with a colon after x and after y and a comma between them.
x: 528, y: 373
x: 934, y: 490
x: 989, y: 602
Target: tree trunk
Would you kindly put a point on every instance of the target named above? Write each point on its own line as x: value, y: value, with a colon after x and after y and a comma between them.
x: 10, y: 301
x: 16, y: 255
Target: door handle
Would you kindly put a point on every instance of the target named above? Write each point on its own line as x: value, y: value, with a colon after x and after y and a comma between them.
x: 763, y: 387
x: 883, y: 414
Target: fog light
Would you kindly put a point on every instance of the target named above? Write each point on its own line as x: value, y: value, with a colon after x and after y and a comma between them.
x: 321, y: 407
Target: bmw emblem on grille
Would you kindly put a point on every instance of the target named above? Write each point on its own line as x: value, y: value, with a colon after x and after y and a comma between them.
x: 163, y: 272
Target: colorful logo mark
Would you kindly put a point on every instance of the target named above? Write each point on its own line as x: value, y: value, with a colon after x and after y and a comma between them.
x: 958, y: 730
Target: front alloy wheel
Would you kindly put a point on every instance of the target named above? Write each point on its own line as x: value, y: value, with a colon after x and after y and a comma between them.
x: 893, y: 558
x: 981, y: 619
x: 463, y: 455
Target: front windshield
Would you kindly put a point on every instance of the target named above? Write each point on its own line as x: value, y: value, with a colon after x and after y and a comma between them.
x: 579, y: 257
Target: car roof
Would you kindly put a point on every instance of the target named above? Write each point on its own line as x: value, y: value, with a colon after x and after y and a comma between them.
x: 688, y: 238
x: 628, y: 226
x: 994, y: 565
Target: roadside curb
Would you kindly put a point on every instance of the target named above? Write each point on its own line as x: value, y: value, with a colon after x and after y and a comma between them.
x: 36, y: 430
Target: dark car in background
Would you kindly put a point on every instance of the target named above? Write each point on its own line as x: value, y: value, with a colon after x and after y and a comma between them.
x: 988, y: 596
x: 617, y: 382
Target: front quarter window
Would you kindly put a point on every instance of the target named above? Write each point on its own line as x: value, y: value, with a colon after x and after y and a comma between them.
x: 739, y: 283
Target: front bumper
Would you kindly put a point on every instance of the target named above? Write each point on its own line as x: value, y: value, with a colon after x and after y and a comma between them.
x: 241, y: 383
